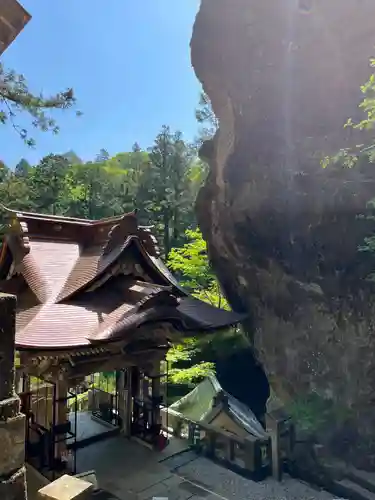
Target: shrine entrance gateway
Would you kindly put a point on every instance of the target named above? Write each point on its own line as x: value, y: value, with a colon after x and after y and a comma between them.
x: 60, y: 420
x: 58, y: 423
x: 149, y: 396
x: 96, y: 410
x: 49, y: 434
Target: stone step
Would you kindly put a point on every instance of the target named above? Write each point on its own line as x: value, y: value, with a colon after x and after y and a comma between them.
x: 179, y: 460
x: 353, y: 491
x: 363, y: 478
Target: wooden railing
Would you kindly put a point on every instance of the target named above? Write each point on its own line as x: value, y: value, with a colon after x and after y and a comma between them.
x: 248, y: 456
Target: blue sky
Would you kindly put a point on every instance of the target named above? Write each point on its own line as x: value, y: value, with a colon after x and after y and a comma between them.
x: 128, y: 62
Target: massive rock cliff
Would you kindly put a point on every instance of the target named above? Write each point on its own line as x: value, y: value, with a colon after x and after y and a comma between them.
x: 283, y: 232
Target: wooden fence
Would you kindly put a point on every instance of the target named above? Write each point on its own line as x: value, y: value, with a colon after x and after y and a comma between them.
x: 249, y: 456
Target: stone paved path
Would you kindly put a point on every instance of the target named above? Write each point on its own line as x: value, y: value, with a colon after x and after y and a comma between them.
x: 228, y: 485
x: 189, y: 477
x: 131, y: 472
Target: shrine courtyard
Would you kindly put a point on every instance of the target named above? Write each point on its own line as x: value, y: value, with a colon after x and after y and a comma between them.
x: 130, y: 471
x: 124, y: 468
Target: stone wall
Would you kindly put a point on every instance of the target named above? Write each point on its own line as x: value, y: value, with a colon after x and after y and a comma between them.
x: 283, y: 233
x: 12, y: 422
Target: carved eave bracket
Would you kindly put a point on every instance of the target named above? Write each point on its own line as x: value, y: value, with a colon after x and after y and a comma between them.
x: 149, y: 241
x: 127, y: 226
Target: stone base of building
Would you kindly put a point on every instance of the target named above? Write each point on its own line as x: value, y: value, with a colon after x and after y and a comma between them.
x: 12, y: 450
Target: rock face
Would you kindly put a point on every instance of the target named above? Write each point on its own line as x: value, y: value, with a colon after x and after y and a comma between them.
x: 283, y: 232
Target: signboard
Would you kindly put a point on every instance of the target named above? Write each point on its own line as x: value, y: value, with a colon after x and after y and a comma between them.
x: 13, y: 18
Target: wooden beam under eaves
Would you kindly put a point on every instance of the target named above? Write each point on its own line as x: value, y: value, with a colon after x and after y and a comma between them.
x: 13, y: 18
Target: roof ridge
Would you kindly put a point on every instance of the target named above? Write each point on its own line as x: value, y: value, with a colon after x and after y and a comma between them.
x: 109, y: 260
x: 64, y: 218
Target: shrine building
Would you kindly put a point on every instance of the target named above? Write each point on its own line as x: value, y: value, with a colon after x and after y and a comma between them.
x: 97, y: 312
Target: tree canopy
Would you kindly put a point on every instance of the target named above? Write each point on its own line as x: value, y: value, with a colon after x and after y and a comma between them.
x: 161, y: 181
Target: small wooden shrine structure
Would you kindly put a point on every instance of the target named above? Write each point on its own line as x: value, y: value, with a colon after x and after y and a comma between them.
x: 210, y: 404
x: 94, y: 297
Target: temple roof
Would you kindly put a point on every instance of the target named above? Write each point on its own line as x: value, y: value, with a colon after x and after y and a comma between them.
x: 83, y: 282
x: 208, y: 399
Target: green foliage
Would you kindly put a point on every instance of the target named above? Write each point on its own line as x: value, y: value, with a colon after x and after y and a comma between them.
x: 345, y: 158
x: 361, y: 154
x: 367, y: 104
x: 22, y: 168
x: 168, y: 190
x: 72, y: 158
x: 16, y: 99
x: 181, y: 361
x: 48, y: 187
x: 314, y: 413
x: 191, y: 265
x: 102, y: 156
x: 161, y: 183
x: 191, y: 360
x: 190, y: 261
x: 192, y: 374
x: 349, y: 157
x: 206, y: 118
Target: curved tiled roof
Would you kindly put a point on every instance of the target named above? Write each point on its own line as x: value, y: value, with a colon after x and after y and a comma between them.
x: 77, y: 291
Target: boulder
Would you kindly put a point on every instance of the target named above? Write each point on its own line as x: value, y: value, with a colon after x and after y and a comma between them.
x: 283, y: 232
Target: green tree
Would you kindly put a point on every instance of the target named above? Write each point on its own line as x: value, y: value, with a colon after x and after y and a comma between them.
x: 190, y: 263
x: 166, y: 189
x: 72, y: 157
x: 48, y: 186
x: 89, y: 191
x: 194, y: 358
x: 128, y: 172
x: 102, y: 156
x: 3, y: 171
x: 185, y: 365
x: 22, y: 168
x: 206, y: 118
x: 17, y: 100
x: 15, y: 192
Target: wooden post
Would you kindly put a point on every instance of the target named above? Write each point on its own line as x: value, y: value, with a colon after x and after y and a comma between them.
x: 211, y: 437
x: 135, y: 390
x: 61, y: 416
x: 249, y: 453
x: 273, y: 429
x: 177, y: 427
x: 125, y: 401
x: 230, y: 450
x: 155, y: 394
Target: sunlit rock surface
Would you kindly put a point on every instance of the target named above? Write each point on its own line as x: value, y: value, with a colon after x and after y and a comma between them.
x: 284, y: 233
